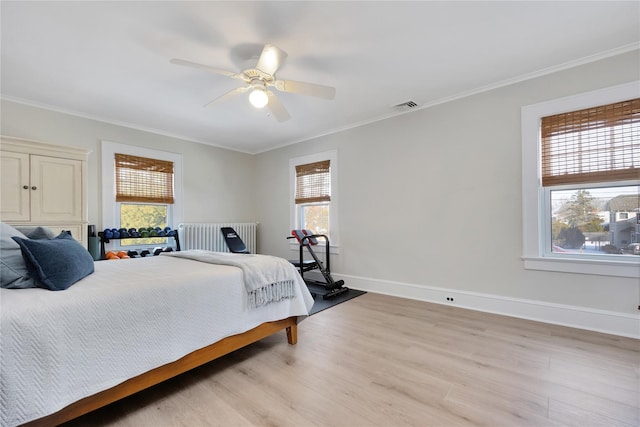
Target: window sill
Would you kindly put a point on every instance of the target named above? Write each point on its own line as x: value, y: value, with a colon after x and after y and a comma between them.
x: 584, y: 266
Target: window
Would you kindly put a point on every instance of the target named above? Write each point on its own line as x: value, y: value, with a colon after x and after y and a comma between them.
x: 314, y: 195
x: 144, y: 194
x: 141, y: 188
x: 581, y: 183
x: 588, y: 220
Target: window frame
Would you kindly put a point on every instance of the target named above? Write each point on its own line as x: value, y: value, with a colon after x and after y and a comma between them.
x: 111, y: 208
x: 295, y: 211
x: 535, y: 198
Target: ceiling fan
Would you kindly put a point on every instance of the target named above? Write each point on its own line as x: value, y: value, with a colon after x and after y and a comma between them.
x: 260, y: 78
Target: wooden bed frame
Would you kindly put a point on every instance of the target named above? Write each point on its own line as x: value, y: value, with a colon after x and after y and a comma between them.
x: 162, y: 373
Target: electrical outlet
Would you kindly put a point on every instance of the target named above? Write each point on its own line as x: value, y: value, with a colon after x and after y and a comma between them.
x: 450, y: 299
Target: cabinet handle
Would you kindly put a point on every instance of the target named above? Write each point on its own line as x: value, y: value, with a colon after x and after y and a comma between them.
x: 26, y: 187
x: 34, y: 188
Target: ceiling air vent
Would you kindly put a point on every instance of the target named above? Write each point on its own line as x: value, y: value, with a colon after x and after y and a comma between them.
x: 405, y: 106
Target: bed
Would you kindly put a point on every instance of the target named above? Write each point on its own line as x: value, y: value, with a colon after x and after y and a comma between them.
x: 127, y: 326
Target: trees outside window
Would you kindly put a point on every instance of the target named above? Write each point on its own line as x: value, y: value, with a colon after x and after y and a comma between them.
x: 593, y: 220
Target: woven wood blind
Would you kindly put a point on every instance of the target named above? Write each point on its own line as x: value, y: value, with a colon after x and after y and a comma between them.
x: 596, y: 144
x: 313, y: 182
x: 140, y: 179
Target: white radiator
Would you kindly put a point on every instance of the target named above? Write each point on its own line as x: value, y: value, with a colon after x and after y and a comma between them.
x: 209, y: 237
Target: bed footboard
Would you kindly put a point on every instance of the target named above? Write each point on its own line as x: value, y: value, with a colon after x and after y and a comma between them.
x: 162, y: 373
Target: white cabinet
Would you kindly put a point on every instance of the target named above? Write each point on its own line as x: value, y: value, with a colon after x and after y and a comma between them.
x: 43, y: 184
x: 14, y: 186
x: 56, y: 189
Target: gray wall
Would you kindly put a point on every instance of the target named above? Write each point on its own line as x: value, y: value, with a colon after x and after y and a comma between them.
x: 434, y: 197
x: 218, y: 183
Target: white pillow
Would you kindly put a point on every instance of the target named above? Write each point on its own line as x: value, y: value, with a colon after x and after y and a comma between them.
x: 13, y: 269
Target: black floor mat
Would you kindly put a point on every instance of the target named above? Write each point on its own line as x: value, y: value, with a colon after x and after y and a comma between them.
x: 321, y: 304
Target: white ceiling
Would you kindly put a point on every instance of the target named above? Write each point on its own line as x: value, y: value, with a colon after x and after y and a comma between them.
x: 110, y: 60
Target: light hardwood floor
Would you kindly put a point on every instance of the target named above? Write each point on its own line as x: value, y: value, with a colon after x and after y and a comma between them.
x: 383, y: 361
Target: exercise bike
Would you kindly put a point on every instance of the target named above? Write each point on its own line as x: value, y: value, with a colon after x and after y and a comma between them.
x: 329, y: 288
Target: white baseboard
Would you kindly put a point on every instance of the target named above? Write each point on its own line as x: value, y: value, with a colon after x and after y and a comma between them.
x: 609, y: 322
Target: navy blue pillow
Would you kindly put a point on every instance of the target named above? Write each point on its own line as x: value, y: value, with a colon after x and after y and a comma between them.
x: 56, y: 263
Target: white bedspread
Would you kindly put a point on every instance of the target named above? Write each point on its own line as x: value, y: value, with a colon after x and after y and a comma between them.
x: 267, y: 278
x: 128, y: 317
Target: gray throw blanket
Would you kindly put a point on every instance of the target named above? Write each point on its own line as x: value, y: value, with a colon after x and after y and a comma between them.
x: 266, y: 278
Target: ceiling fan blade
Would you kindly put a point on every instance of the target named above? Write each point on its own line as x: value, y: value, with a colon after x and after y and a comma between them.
x: 276, y: 107
x: 270, y: 59
x: 232, y: 93
x: 206, y: 68
x: 326, y: 92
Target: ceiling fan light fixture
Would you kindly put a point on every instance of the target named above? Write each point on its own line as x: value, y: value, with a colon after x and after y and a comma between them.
x: 262, y: 77
x: 258, y: 98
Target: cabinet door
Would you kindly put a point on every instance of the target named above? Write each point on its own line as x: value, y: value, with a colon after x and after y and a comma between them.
x: 14, y: 177
x: 56, y: 189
